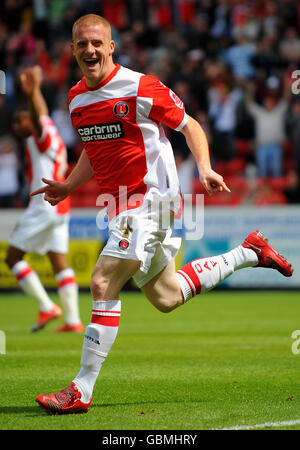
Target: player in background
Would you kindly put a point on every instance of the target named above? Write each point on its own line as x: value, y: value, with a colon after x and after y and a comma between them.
x: 118, y: 114
x: 43, y: 229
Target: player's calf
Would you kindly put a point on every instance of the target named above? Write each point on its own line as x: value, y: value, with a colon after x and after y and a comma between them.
x: 163, y: 291
x: 166, y: 305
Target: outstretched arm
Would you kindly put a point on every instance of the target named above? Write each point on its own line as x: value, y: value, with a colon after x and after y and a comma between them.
x: 31, y: 81
x: 56, y: 191
x: 197, y: 143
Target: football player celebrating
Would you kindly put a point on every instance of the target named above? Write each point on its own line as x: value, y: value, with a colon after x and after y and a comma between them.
x: 43, y: 229
x: 118, y: 113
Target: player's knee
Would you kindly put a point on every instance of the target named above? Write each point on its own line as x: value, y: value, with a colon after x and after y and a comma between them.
x: 98, y: 286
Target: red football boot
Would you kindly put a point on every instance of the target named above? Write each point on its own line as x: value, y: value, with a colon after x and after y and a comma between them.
x: 267, y: 255
x: 77, y: 328
x: 45, y: 317
x: 66, y: 401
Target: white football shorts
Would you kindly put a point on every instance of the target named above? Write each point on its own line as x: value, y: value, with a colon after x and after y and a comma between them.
x: 144, y: 235
x: 41, y: 230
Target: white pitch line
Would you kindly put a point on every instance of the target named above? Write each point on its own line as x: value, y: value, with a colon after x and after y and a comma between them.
x: 264, y: 425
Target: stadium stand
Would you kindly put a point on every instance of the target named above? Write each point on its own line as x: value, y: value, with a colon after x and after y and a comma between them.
x: 209, y: 52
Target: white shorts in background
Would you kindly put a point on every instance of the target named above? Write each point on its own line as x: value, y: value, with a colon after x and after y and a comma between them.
x: 140, y: 234
x: 40, y: 230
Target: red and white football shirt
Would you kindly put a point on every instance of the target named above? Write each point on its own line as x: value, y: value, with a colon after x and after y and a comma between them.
x: 47, y: 158
x: 120, y: 124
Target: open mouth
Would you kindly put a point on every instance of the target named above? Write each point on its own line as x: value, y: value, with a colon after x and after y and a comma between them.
x: 91, y: 62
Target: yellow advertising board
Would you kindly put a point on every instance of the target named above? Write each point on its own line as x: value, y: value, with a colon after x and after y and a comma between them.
x: 82, y: 257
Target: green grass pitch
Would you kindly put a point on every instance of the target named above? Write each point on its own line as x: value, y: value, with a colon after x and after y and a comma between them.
x: 220, y: 361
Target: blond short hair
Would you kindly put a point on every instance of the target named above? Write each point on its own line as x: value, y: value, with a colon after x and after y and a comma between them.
x: 91, y: 19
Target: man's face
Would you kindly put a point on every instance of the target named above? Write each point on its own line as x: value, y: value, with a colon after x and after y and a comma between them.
x: 22, y: 125
x: 269, y: 103
x: 93, y: 49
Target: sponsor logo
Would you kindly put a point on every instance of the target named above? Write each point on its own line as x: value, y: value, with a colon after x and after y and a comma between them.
x: 256, y: 248
x: 225, y: 260
x: 123, y: 244
x: 90, y: 339
x: 101, y: 132
x: 121, y: 109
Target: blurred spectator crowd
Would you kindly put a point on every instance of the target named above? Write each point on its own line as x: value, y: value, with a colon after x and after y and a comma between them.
x: 234, y: 63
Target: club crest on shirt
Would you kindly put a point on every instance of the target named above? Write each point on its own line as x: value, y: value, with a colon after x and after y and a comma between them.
x: 121, y: 109
x: 123, y: 244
